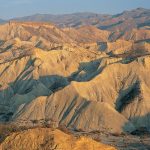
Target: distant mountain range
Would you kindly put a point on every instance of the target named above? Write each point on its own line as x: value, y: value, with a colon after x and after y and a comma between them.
x: 135, y: 18
x: 2, y: 21
x: 67, y: 20
x: 126, y: 20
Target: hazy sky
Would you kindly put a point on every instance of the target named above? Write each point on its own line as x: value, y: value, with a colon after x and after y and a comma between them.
x: 15, y: 8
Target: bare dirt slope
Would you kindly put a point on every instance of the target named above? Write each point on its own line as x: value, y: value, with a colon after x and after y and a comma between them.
x: 45, y: 75
x: 47, y: 139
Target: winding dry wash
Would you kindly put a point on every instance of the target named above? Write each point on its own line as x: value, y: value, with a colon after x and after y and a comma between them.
x: 91, y: 77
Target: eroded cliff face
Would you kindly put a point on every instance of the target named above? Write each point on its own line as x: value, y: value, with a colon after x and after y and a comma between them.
x: 47, y: 139
x: 45, y: 75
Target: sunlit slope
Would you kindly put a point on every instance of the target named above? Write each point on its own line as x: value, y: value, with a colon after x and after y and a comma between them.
x: 45, y: 75
x: 39, y: 138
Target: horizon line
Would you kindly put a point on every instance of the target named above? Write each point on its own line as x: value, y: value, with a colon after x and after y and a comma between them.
x: 78, y: 12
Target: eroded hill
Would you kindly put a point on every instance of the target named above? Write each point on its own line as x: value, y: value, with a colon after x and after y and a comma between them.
x: 50, y: 75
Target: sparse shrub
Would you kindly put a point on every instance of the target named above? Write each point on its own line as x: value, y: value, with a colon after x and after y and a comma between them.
x: 116, y: 134
x: 63, y: 128
x: 97, y: 139
x: 95, y: 132
x: 49, y: 143
x: 34, y: 122
x: 50, y: 123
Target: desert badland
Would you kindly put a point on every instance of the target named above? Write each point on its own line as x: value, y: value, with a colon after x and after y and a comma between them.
x: 86, y: 72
